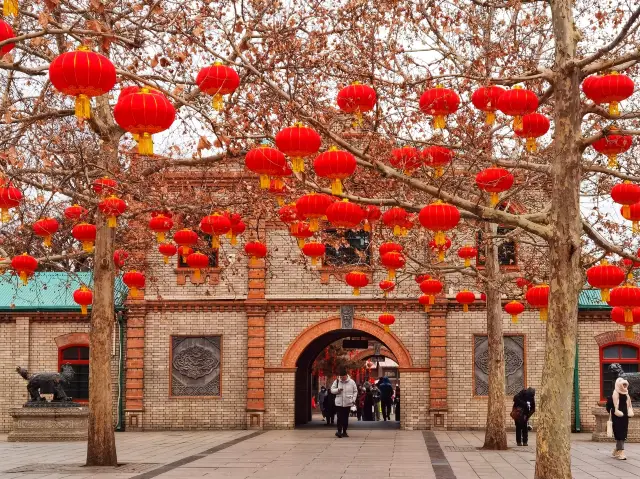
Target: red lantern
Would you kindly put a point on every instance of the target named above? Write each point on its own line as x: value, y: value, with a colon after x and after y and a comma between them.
x: 6, y: 32
x: 626, y: 297
x: 197, y: 261
x: 315, y: 251
x: 494, y: 180
x: 112, y: 207
x: 426, y: 301
x: 301, y: 232
x: 514, y: 308
x: 632, y: 213
x: 357, y: 280
x: 215, y: 225
x: 357, y: 99
x: 167, y: 250
x: 431, y: 287
x: 86, y: 234
x: 104, y: 186
x: 397, y: 219
x: 406, y: 158
x: 612, y: 145
x: 10, y: 197
x: 389, y: 247
x: 439, y: 102
x: 611, y: 88
x: 83, y: 74
x: 184, y: 252
x: 312, y: 207
x: 337, y: 165
x: 83, y: 297
x: 256, y: 250
x: 538, y: 297
x: 422, y: 277
x: 534, y: 125
x: 144, y: 113
x: 437, y: 157
x: 486, y: 99
x: 45, y: 228
x: 483, y: 297
x: 297, y: 142
x: 618, y: 315
x: 25, y: 266
x: 217, y: 80
x: 266, y: 162
x: 386, y: 320
x: 372, y: 214
x: 625, y: 193
x: 135, y: 281
x: 75, y: 212
x: 277, y: 189
x: 604, y: 277
x: 236, y: 230
x: 288, y: 214
x: 386, y: 286
x: 160, y: 225
x: 120, y: 256
x: 523, y: 283
x: 467, y: 253
x: 392, y: 261
x: 185, y: 238
x: 343, y: 214
x: 442, y: 249
x: 439, y: 217
x: 518, y: 102
x: 465, y: 298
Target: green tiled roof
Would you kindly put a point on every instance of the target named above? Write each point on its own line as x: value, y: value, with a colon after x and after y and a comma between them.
x: 49, y: 292
x: 590, y: 299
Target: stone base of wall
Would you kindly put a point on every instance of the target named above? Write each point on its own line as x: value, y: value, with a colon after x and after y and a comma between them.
x: 49, y: 424
x: 600, y: 431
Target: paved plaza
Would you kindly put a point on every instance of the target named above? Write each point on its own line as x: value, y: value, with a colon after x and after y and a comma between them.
x: 309, y: 453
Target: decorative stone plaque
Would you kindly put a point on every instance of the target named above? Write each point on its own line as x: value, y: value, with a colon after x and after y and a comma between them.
x: 513, y: 362
x: 346, y: 316
x: 195, y: 365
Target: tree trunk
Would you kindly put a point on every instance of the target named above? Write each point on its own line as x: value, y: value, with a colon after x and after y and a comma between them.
x: 495, y: 434
x: 553, y: 459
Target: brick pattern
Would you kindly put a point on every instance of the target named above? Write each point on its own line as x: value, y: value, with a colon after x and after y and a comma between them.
x: 437, y: 359
x: 279, y: 400
x: 134, y: 378
x: 414, y: 399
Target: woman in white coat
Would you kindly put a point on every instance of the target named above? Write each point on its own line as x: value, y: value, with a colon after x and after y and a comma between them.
x: 346, y: 393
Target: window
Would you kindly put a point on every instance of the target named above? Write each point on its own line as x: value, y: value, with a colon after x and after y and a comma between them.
x: 78, y: 358
x: 346, y: 248
x: 212, y: 254
x: 624, y: 354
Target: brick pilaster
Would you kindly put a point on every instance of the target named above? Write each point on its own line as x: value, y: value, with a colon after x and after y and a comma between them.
x: 438, y: 365
x: 134, y: 379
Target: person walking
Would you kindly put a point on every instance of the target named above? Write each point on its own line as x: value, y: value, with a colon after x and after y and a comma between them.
x: 362, y: 394
x: 376, y: 401
x: 346, y: 393
x: 386, y: 397
x: 397, y: 401
x: 524, y: 405
x: 329, y: 407
x: 367, y: 412
x: 321, y: 395
x: 620, y: 410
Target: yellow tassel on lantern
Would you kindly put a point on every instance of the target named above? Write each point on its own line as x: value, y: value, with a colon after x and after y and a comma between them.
x: 280, y: 201
x: 160, y: 237
x: 634, y: 227
x: 217, y: 102
x: 24, y: 277
x: 112, y: 222
x: 465, y: 308
x: 314, y: 224
x: 517, y: 123
x: 391, y: 274
x: 253, y: 262
x: 265, y: 182
x: 495, y: 199
x: 145, y: 144
x: 356, y: 291
x: 136, y: 137
x: 439, y: 122
x: 10, y: 8
x: 626, y: 211
x: 432, y: 300
x: 233, y: 240
x: 439, y: 171
x: 83, y: 107
x: 490, y: 119
x: 532, y: 146
x: 628, y: 332
x: 604, y: 295
x: 336, y: 187
x: 300, y: 243
x: 166, y: 259
x: 47, y: 241
x: 83, y: 309
x: 614, y: 108
x: 514, y: 318
x: 367, y: 226
x: 297, y: 164
x: 613, y: 161
x: 5, y: 217
x: 133, y: 292
x: 441, y: 255
x: 427, y: 308
x: 215, y: 242
x: 196, y: 275
x: 440, y: 238
x: 544, y: 314
x: 628, y: 316
x: 467, y: 262
x: 386, y: 328
x: 314, y: 261
x: 87, y: 246
x: 358, y: 120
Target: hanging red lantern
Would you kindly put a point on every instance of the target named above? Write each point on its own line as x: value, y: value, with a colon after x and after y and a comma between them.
x: 185, y: 238
x: 425, y: 301
x: 467, y: 253
x: 288, y: 214
x: 618, y: 315
x: 75, y: 212
x: 431, y: 287
x: 104, y: 186
x: 439, y: 217
x: 301, y: 232
x: 630, y: 265
x: 626, y: 297
x: 160, y: 225
x: 534, y: 125
x: 388, y: 247
x: 604, y: 277
x: 486, y: 99
x: 518, y: 102
x: 632, y: 213
x: 343, y: 214
x: 25, y: 266
x: 197, y: 261
x: 437, y: 157
x: 514, y: 308
x: 483, y: 297
x: 256, y: 250
x: 625, y: 193
x: 315, y: 251
x: 83, y: 297
x: 215, y: 225
x: 439, y: 102
x: 406, y: 159
x: 112, y: 207
x: 465, y: 298
x: 218, y: 80
x: 6, y: 32
x: 538, y: 297
x: 386, y: 319
x: 120, y: 256
x: 45, y: 228
x: 396, y: 218
x: 236, y: 230
x: 422, y: 277
x: 441, y: 250
x: 336, y: 165
x: 357, y: 99
x: 312, y: 207
x: 392, y: 261
x: 612, y: 145
x: 372, y: 214
x: 611, y: 88
x: 386, y: 286
x: 523, y: 283
x: 297, y: 142
x: 357, y: 280
x: 144, y: 113
x: 83, y: 74
x: 135, y: 281
x: 10, y: 197
x: 86, y: 234
x: 167, y: 250
x: 494, y: 180
x: 278, y: 190
x: 266, y: 162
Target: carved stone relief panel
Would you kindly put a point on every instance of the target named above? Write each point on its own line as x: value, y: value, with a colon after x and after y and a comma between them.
x: 195, y: 366
x: 514, y: 365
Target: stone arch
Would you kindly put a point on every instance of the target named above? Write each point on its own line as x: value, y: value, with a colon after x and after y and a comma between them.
x: 370, y: 352
x: 76, y: 339
x: 616, y: 337
x: 390, y: 340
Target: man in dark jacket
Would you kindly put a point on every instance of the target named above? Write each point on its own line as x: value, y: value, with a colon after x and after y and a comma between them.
x: 386, y: 396
x: 524, y: 405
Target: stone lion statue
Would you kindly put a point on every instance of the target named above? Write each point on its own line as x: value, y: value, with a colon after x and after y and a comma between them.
x: 47, y: 383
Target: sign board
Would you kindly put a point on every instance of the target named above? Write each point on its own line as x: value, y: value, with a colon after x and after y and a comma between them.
x: 377, y: 359
x: 355, y: 343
